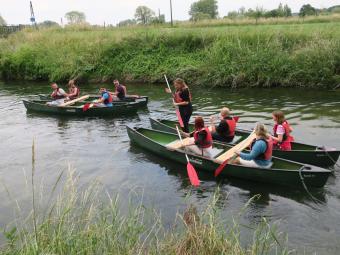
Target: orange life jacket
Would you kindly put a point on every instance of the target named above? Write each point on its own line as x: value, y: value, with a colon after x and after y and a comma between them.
x: 56, y: 96
x: 207, y: 142
x: 177, y: 96
x: 286, y: 136
x: 232, y: 126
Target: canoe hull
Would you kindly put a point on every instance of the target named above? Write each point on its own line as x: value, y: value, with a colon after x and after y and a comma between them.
x: 318, y: 157
x: 116, y: 110
x: 313, y: 176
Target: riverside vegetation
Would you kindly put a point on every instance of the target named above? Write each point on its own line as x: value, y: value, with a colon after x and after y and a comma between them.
x: 273, y: 53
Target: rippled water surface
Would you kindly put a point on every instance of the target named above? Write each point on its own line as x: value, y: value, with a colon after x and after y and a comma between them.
x: 100, y: 148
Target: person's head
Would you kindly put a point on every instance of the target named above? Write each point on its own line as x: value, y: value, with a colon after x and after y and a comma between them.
x: 102, y: 89
x: 261, y: 131
x: 54, y: 85
x: 278, y: 117
x: 71, y: 83
x: 116, y: 82
x: 199, y: 123
x: 179, y: 84
x: 225, y: 112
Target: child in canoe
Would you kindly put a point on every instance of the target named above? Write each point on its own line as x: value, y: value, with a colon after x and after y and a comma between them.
x: 281, y: 138
x: 261, y: 150
x: 225, y: 131
x: 202, y: 144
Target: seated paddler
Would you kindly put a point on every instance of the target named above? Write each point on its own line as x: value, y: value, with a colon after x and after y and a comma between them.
x: 105, y: 100
x: 58, y: 95
x: 261, y: 149
x: 225, y: 130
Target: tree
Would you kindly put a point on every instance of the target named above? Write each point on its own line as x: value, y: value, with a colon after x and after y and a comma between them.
x: 75, y: 17
x: 2, y: 21
x: 128, y: 22
x: 48, y: 23
x: 233, y: 14
x: 287, y: 12
x: 144, y: 15
x: 204, y: 9
x: 307, y: 10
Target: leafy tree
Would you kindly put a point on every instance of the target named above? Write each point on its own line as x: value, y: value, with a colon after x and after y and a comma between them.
x: 272, y: 14
x: 280, y: 10
x: 233, y: 14
x: 203, y: 9
x: 160, y: 19
x: 127, y: 22
x: 75, y: 17
x: 48, y: 23
x: 307, y: 10
x: 144, y: 15
x: 2, y: 21
x: 287, y: 12
x: 242, y: 11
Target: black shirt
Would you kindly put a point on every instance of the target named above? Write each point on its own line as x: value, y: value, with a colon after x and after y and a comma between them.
x: 223, y: 128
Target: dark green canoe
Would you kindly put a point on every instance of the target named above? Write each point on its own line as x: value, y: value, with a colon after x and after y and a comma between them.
x: 143, y: 100
x: 77, y: 109
x: 304, y: 153
x: 282, y: 172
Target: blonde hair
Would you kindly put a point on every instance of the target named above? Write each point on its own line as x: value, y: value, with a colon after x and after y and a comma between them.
x: 180, y: 82
x: 261, y: 131
x: 225, y: 112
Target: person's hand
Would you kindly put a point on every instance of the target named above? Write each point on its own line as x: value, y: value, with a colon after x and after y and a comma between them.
x: 237, y: 153
x: 175, y: 104
x: 167, y: 90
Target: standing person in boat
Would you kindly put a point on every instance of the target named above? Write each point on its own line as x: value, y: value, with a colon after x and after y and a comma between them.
x: 182, y: 98
x: 120, y: 90
x: 105, y: 100
x: 203, y: 142
x: 261, y: 150
x: 73, y: 90
x: 58, y: 95
x: 282, y: 138
x: 225, y: 131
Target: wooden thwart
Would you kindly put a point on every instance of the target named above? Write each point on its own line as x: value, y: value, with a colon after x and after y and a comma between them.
x: 175, y: 145
x: 74, y: 101
x: 238, y: 147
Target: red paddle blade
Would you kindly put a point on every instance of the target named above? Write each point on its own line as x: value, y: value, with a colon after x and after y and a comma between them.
x: 179, y: 118
x: 220, y: 168
x: 236, y: 118
x: 192, y: 175
x: 86, y: 107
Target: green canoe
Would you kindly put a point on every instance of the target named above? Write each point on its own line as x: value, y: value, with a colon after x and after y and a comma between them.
x: 282, y: 172
x: 304, y: 153
x: 77, y: 109
x: 143, y: 100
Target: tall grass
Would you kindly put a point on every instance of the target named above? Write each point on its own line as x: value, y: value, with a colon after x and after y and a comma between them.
x: 267, y: 55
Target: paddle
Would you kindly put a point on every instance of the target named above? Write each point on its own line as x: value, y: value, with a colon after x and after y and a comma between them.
x: 75, y: 100
x: 229, y: 154
x: 190, y: 168
x: 87, y: 106
x: 177, y: 110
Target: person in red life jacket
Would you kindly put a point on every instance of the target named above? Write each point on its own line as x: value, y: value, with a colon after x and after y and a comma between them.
x: 105, y: 100
x: 73, y: 90
x: 120, y: 90
x: 182, y: 98
x: 281, y: 138
x: 261, y: 150
x: 202, y: 144
x: 225, y: 131
x: 58, y: 95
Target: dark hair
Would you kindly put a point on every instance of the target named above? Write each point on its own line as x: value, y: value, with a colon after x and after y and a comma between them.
x: 199, y: 123
x: 280, y: 117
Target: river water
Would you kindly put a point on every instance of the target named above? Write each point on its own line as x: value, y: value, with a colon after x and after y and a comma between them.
x: 100, y: 148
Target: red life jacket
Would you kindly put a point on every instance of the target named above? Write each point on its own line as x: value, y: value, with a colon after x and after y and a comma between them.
x: 267, y: 155
x: 56, y: 96
x: 232, y: 126
x: 178, y: 98
x: 286, y: 136
x: 76, y: 95
x: 207, y: 142
x: 109, y: 100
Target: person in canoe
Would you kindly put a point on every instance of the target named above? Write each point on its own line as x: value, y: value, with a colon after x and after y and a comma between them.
x: 225, y: 131
x: 120, y: 90
x: 261, y: 150
x: 105, y: 100
x: 281, y: 138
x: 203, y: 142
x: 58, y: 95
x: 73, y: 90
x: 182, y: 98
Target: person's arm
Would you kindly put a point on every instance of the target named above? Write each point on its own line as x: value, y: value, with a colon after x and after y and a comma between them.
x: 103, y: 98
x: 279, y: 138
x: 258, y: 148
x: 280, y: 132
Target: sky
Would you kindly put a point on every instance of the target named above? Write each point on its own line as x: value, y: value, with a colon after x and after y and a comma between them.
x: 113, y: 11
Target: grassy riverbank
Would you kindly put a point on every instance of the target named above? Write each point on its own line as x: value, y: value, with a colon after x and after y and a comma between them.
x: 85, y: 221
x: 266, y: 55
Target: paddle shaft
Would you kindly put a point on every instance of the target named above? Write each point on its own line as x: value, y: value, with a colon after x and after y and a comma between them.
x: 180, y: 120
x: 180, y: 138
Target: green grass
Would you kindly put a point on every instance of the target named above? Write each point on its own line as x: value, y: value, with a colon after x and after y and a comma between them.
x: 210, y: 53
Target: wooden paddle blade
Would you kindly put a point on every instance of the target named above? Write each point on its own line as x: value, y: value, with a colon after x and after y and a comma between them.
x: 236, y: 118
x: 179, y: 117
x: 192, y: 175
x: 220, y: 168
